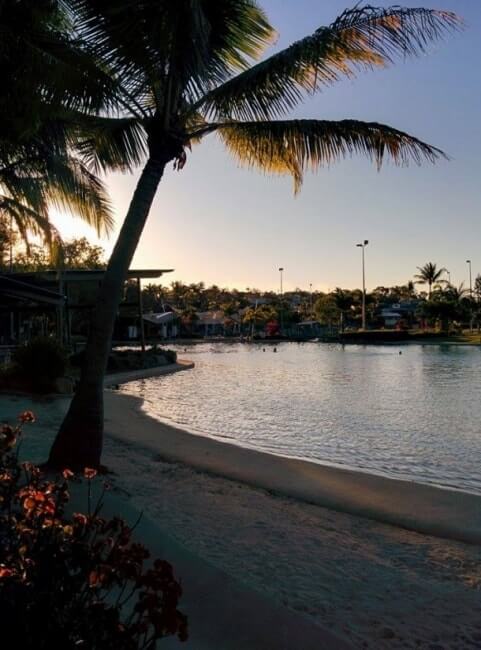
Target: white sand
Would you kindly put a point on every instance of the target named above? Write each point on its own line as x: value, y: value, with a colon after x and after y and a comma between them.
x: 381, y: 586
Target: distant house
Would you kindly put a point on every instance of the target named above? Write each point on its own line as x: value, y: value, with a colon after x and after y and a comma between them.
x: 210, y: 323
x: 311, y: 329
x: 164, y: 325
x: 395, y: 314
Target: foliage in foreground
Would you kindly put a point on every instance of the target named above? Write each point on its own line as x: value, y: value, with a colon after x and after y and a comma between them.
x: 35, y: 367
x: 39, y: 363
x: 75, y: 581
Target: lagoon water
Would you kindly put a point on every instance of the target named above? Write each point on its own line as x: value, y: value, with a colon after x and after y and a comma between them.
x: 414, y: 415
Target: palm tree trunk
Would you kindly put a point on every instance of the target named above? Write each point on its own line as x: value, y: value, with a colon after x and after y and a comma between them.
x: 79, y: 441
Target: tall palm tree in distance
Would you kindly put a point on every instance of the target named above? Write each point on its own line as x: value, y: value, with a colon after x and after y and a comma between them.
x: 429, y: 274
x: 188, y: 71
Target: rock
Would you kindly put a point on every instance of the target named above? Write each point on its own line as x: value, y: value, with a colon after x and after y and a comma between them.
x: 64, y: 385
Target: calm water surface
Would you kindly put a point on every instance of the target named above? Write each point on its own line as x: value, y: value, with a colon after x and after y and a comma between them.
x: 414, y: 415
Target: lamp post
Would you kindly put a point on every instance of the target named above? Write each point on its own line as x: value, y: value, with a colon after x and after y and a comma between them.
x: 310, y: 292
x: 281, y: 269
x: 363, y: 246
x: 468, y: 262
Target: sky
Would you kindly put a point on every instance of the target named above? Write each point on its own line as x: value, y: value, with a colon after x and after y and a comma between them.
x: 220, y: 224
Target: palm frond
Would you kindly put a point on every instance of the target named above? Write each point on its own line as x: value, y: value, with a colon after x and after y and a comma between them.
x: 30, y: 221
x: 109, y: 144
x: 180, y: 47
x: 293, y: 146
x: 363, y: 37
x: 69, y: 185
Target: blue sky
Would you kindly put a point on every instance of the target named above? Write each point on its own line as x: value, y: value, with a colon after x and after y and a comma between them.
x: 233, y: 227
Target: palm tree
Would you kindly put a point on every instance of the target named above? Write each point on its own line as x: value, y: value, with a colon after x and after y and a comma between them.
x: 185, y: 67
x: 43, y: 173
x: 343, y: 301
x: 429, y: 274
x: 50, y: 78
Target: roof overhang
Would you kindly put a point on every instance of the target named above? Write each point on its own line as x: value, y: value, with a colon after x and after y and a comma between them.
x: 23, y: 291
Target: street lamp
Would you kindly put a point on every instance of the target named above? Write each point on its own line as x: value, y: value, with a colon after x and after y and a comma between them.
x: 470, y: 279
x: 468, y: 262
x: 310, y: 291
x: 281, y: 269
x: 363, y: 246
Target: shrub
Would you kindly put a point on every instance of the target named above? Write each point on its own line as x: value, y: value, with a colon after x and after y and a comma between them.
x: 75, y: 582
x: 39, y: 363
x: 125, y: 360
x: 170, y: 355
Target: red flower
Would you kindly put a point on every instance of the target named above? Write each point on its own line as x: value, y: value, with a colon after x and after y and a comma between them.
x: 90, y: 473
x: 67, y: 473
x: 5, y: 572
x: 26, y: 416
x: 79, y: 518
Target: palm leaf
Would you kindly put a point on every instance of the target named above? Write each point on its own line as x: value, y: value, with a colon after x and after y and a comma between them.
x: 69, y: 185
x: 179, y: 49
x: 30, y: 221
x: 292, y: 146
x: 114, y: 144
x: 363, y: 37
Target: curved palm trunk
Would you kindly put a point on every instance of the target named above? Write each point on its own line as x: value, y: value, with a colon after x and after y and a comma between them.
x: 79, y: 441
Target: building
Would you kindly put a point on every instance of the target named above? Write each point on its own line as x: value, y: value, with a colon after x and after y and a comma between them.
x: 59, y: 303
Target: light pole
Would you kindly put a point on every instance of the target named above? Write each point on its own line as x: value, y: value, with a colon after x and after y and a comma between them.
x: 310, y: 291
x: 363, y: 246
x: 468, y: 262
x: 281, y: 269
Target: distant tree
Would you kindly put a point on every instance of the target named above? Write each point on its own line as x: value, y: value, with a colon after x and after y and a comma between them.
x: 72, y: 254
x: 344, y: 302
x: 447, y: 305
x: 327, y: 310
x: 477, y: 287
x: 154, y: 297
x: 429, y: 274
x: 258, y: 317
x: 7, y: 242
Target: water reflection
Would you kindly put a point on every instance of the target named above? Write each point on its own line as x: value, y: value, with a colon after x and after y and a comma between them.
x: 411, y: 415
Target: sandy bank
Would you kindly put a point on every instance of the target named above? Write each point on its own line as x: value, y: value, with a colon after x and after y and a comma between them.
x: 223, y: 613
x: 421, y: 508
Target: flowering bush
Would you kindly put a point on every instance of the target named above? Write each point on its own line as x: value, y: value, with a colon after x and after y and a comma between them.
x: 79, y: 581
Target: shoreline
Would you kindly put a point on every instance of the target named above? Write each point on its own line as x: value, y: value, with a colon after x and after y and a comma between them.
x: 118, y: 378
x: 429, y: 510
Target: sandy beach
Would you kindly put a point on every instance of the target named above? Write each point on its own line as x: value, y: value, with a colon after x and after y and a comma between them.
x: 375, y: 584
